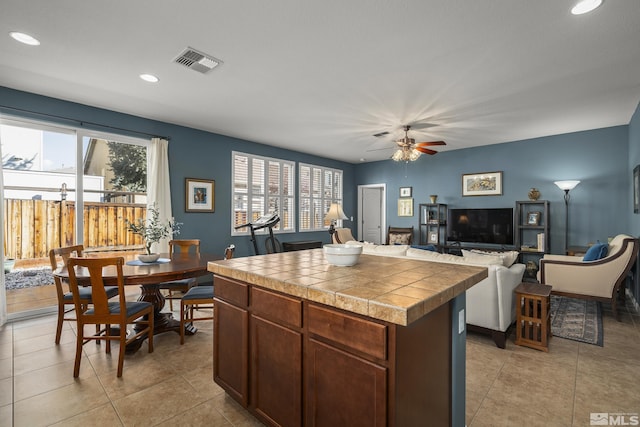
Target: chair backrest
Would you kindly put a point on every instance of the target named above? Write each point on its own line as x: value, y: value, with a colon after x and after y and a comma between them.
x: 616, y: 244
x: 342, y: 235
x: 228, y: 252
x: 184, y: 246
x: 58, y: 257
x: 93, y: 267
x: 400, y: 235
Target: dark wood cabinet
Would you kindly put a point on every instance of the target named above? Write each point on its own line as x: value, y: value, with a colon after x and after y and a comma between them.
x: 343, y: 389
x: 231, y: 350
x: 294, y: 362
x: 276, y: 372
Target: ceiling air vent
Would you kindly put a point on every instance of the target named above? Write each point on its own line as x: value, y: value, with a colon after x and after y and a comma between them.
x: 198, y: 61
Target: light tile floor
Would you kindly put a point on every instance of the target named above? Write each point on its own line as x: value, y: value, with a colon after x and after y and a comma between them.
x: 519, y: 386
x: 173, y: 385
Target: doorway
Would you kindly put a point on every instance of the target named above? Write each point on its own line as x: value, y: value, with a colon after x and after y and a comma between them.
x: 64, y: 186
x: 372, y: 208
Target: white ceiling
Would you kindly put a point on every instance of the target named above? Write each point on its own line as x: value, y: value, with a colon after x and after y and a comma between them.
x: 322, y: 77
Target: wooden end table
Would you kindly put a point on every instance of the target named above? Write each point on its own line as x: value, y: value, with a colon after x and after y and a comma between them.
x: 533, y: 304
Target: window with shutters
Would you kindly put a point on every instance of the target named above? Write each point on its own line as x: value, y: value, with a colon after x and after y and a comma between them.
x: 319, y: 187
x: 262, y: 185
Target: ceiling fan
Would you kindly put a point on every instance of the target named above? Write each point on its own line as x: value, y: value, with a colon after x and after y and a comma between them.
x: 409, y: 150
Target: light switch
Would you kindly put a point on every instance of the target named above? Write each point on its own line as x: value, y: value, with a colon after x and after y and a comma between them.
x: 461, y: 321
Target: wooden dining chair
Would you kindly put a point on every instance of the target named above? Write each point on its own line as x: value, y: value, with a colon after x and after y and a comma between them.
x: 58, y: 257
x: 196, y: 297
x: 120, y: 313
x: 176, y: 288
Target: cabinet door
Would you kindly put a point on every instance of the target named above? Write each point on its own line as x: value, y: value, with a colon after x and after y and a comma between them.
x: 276, y: 376
x: 343, y: 389
x: 231, y: 350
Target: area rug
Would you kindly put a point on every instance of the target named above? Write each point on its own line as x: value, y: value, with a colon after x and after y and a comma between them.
x: 577, y: 320
x: 27, y: 278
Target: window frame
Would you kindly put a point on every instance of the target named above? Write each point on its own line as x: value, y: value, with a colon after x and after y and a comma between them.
x: 251, y: 195
x: 322, y: 199
x: 80, y: 133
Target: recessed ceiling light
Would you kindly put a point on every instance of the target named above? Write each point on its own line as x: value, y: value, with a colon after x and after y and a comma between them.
x: 585, y: 6
x: 24, y: 38
x: 149, y: 78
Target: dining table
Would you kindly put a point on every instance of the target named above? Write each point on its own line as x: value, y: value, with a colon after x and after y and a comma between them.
x: 149, y: 276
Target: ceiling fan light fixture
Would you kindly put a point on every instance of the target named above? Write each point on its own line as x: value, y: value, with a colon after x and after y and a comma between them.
x: 409, y: 151
x: 406, y: 154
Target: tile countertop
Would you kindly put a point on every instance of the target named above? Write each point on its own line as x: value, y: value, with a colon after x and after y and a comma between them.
x: 395, y: 290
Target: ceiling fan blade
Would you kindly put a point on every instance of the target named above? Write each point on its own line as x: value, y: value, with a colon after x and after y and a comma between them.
x: 422, y: 125
x: 426, y: 150
x: 429, y: 143
x: 380, y: 149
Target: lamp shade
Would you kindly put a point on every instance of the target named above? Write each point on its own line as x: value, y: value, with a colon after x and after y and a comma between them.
x: 335, y: 213
x: 567, y: 185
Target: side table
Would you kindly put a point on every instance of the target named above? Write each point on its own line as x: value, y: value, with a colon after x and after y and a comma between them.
x: 533, y: 305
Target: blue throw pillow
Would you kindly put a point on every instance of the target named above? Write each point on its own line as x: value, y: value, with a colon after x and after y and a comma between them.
x: 596, y: 252
x: 425, y: 247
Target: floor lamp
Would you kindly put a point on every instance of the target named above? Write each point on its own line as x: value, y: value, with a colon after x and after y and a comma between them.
x: 566, y: 186
x: 334, y: 214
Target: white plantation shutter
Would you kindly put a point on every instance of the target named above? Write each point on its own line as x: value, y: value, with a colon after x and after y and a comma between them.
x: 262, y: 185
x: 319, y: 187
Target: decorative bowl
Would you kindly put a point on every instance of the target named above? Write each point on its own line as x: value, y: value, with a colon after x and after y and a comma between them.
x: 148, y: 258
x: 342, y: 255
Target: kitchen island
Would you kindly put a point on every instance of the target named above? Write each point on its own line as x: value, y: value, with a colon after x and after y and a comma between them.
x: 300, y: 342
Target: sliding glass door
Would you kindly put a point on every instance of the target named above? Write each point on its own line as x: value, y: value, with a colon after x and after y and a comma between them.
x: 64, y: 186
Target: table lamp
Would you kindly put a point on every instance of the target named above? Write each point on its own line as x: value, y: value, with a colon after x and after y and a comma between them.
x: 334, y: 214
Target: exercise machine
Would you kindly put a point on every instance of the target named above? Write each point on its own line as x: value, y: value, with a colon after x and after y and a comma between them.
x: 271, y: 244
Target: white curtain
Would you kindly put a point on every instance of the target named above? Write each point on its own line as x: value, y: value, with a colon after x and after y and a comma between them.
x: 158, y: 185
x: 3, y: 294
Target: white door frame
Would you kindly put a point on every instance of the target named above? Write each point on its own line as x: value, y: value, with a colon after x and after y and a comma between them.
x: 383, y: 214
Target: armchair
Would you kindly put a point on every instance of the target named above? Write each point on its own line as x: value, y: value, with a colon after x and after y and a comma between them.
x: 597, y: 280
x: 342, y: 235
x: 400, y: 235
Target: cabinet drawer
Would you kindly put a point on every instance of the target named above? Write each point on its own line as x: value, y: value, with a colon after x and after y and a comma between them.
x: 231, y: 291
x: 276, y: 307
x: 359, y: 334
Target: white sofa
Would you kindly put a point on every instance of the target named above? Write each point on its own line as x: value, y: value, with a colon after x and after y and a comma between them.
x: 490, y: 303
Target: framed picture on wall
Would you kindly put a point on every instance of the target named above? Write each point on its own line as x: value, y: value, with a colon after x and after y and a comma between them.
x: 482, y: 184
x: 199, y: 195
x: 405, y: 191
x: 405, y: 207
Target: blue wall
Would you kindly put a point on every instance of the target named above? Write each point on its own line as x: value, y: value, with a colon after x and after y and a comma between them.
x: 192, y: 154
x: 598, y: 158
x: 603, y: 159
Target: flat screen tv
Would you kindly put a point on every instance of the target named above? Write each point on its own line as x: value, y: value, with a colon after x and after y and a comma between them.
x: 490, y: 226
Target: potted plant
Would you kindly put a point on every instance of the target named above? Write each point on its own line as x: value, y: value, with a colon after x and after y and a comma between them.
x: 152, y: 231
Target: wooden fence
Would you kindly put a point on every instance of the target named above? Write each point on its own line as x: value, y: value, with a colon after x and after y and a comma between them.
x: 32, y: 227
